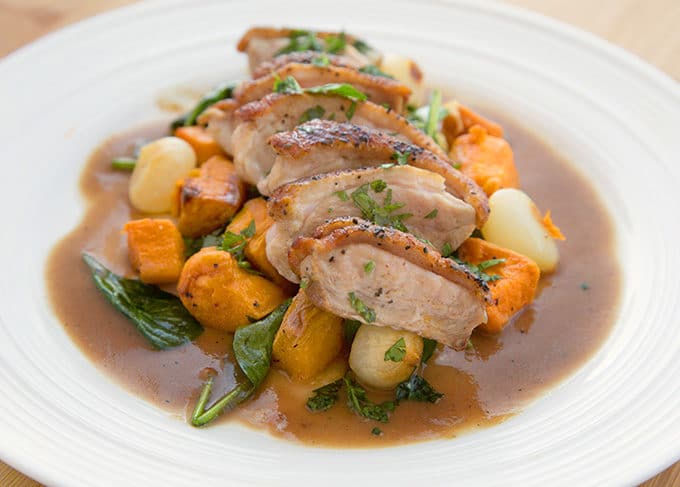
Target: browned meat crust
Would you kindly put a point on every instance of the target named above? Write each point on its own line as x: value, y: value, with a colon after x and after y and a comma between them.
x: 274, y: 33
x: 305, y: 57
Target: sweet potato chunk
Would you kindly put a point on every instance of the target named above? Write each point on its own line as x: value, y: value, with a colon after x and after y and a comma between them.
x: 208, y: 198
x: 470, y: 119
x: 202, y: 142
x: 308, y: 340
x: 255, y: 210
x: 156, y: 250
x: 515, y: 289
x: 486, y: 159
x: 220, y: 294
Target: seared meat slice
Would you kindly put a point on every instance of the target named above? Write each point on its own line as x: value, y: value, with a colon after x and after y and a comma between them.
x: 410, y: 287
x: 220, y: 122
x: 304, y: 57
x: 380, y: 90
x: 404, y: 197
x: 263, y: 43
x: 277, y: 113
x: 321, y: 146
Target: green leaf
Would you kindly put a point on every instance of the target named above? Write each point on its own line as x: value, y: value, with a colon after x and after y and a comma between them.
x: 159, y: 316
x: 368, y: 314
x: 324, y: 397
x: 350, y: 328
x: 304, y: 283
x: 479, y: 270
x: 312, y: 113
x: 358, y: 402
x: 252, y: 348
x: 429, y: 346
x: 396, y: 352
x: 362, y: 46
x: 193, y: 245
x: 335, y: 44
x: 301, y: 40
x: 253, y: 344
x: 123, y: 163
x: 378, y: 185
x: 373, y: 70
x: 235, y: 244
x: 401, y: 157
x: 339, y: 89
x: 342, y: 195
x: 288, y: 86
x: 351, y: 110
x: 376, y: 431
x: 380, y: 214
x: 321, y: 60
x: 417, y: 389
x: 432, y: 214
x: 369, y: 266
x: 447, y: 250
x: 220, y: 92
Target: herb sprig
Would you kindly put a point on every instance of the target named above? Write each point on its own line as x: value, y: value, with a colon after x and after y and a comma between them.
x: 235, y: 244
x: 381, y: 214
x: 368, y: 314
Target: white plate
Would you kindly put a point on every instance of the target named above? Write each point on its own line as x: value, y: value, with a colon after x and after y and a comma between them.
x: 616, y: 421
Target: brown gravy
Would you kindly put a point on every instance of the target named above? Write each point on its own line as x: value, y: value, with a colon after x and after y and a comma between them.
x: 566, y: 324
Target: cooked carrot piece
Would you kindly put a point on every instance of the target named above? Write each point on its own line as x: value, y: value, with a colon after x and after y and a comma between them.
x: 470, y: 119
x: 156, y: 250
x: 255, y: 210
x: 220, y: 294
x: 552, y: 229
x: 516, y: 287
x: 486, y: 159
x: 208, y: 198
x: 308, y: 340
x: 202, y: 142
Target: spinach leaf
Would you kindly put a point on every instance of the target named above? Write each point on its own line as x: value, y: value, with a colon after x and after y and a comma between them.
x: 340, y: 89
x: 358, y: 402
x: 193, y: 245
x: 252, y: 349
x: 417, y: 389
x: 288, y: 85
x: 312, y: 113
x: 429, y: 346
x: 373, y: 70
x: 325, y: 396
x: 335, y: 43
x: 301, y: 40
x: 350, y: 328
x: 220, y: 92
x: 159, y: 316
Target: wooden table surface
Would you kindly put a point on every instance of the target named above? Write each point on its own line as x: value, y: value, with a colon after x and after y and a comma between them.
x: 647, y: 28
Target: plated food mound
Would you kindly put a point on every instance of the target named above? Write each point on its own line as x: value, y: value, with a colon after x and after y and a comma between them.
x: 335, y: 251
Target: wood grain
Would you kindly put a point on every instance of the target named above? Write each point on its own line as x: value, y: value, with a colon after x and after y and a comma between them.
x: 647, y: 28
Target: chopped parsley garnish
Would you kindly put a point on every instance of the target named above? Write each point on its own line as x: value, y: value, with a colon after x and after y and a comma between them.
x: 288, y: 86
x: 417, y: 389
x: 376, y: 431
x: 321, y: 61
x: 304, y: 283
x: 312, y: 113
x: 325, y: 396
x: 358, y: 402
x: 469, y: 346
x: 193, y: 245
x: 378, y: 185
x: 362, y: 46
x: 368, y: 314
x: 335, y: 43
x: 123, y: 163
x: 373, y: 70
x: 351, y: 110
x: 301, y: 40
x: 585, y: 286
x: 429, y: 346
x: 396, y: 352
x: 340, y: 89
x: 349, y: 330
x: 427, y: 118
x: 380, y: 214
x: 479, y: 270
x: 433, y: 114
x: 235, y: 244
x: 369, y: 266
x: 342, y: 195
x: 401, y: 157
x: 432, y: 214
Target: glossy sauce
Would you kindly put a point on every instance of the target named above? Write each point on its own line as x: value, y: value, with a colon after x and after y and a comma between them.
x: 572, y: 315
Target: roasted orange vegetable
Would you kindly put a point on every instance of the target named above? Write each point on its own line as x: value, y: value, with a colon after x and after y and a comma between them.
x: 470, y: 119
x: 515, y: 289
x: 208, y: 198
x: 255, y: 210
x: 486, y: 159
x: 203, y: 143
x: 220, y: 294
x: 156, y: 250
x: 308, y: 340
